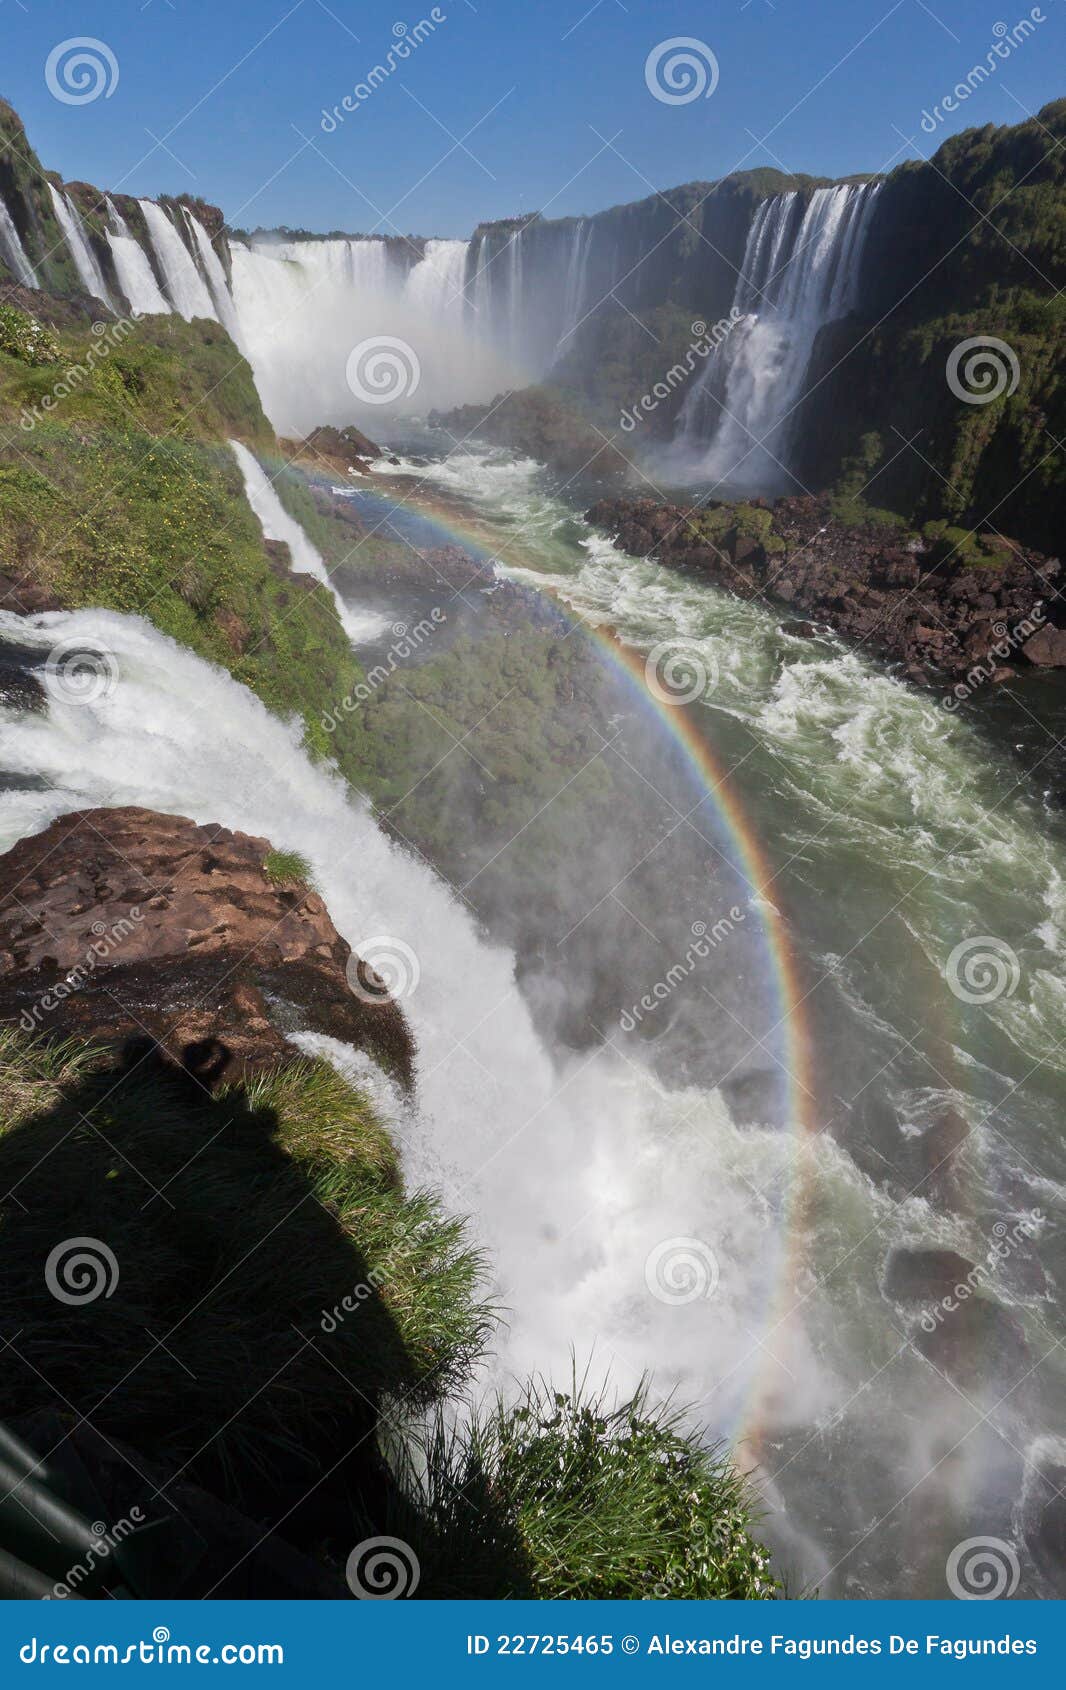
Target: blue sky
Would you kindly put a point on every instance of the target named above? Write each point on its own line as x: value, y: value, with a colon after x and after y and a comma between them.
x: 505, y: 105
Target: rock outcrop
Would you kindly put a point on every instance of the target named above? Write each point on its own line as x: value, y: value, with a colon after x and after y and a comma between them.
x: 965, y: 606
x: 126, y: 924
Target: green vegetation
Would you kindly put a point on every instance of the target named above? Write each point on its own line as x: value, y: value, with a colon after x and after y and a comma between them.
x: 274, y: 1205
x: 287, y: 868
x: 564, y: 1495
x: 23, y: 337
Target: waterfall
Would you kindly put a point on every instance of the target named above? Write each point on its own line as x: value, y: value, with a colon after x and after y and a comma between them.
x: 13, y: 251
x: 800, y: 271
x: 277, y: 524
x: 576, y: 284
x: 214, y: 270
x: 187, y: 289
x: 135, y: 275
x: 304, y: 306
x: 85, y: 262
x: 435, y: 285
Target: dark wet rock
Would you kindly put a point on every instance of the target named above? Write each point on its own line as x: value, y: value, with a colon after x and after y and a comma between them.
x: 927, y: 601
x: 125, y: 924
x: 1043, y: 1510
x: 921, y: 1276
x: 20, y: 688
x: 975, y: 1341
x: 339, y: 449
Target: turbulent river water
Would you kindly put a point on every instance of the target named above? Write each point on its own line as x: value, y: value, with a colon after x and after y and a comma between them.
x: 734, y: 1242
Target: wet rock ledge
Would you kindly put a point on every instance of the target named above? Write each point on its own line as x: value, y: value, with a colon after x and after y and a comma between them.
x: 124, y: 925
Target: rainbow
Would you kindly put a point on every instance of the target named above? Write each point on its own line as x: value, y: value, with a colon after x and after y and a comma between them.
x: 743, y: 846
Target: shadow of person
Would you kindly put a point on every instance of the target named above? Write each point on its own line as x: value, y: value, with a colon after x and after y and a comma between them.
x: 183, y: 1277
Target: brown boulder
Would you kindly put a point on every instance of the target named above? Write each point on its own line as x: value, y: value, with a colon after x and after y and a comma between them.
x: 1047, y: 648
x: 125, y: 924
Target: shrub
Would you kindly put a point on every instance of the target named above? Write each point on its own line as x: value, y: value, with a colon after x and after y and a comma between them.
x: 23, y: 337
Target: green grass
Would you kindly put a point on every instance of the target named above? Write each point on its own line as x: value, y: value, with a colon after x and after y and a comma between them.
x: 565, y: 1494
x: 287, y: 868
x: 238, y: 1223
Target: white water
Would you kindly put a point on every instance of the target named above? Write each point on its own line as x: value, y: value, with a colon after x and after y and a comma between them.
x: 89, y: 272
x: 214, y: 270
x: 277, y: 524
x: 303, y: 306
x: 14, y: 251
x: 136, y: 277
x: 798, y: 274
x: 186, y: 287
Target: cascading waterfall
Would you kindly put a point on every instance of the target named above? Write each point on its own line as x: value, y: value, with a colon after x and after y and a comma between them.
x: 277, y: 524
x: 800, y: 271
x: 135, y: 275
x: 576, y: 284
x: 436, y: 284
x: 188, y: 291
x: 213, y: 269
x: 13, y: 251
x: 85, y: 262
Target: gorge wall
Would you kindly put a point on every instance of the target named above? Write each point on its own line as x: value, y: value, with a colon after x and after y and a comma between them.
x: 847, y: 300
